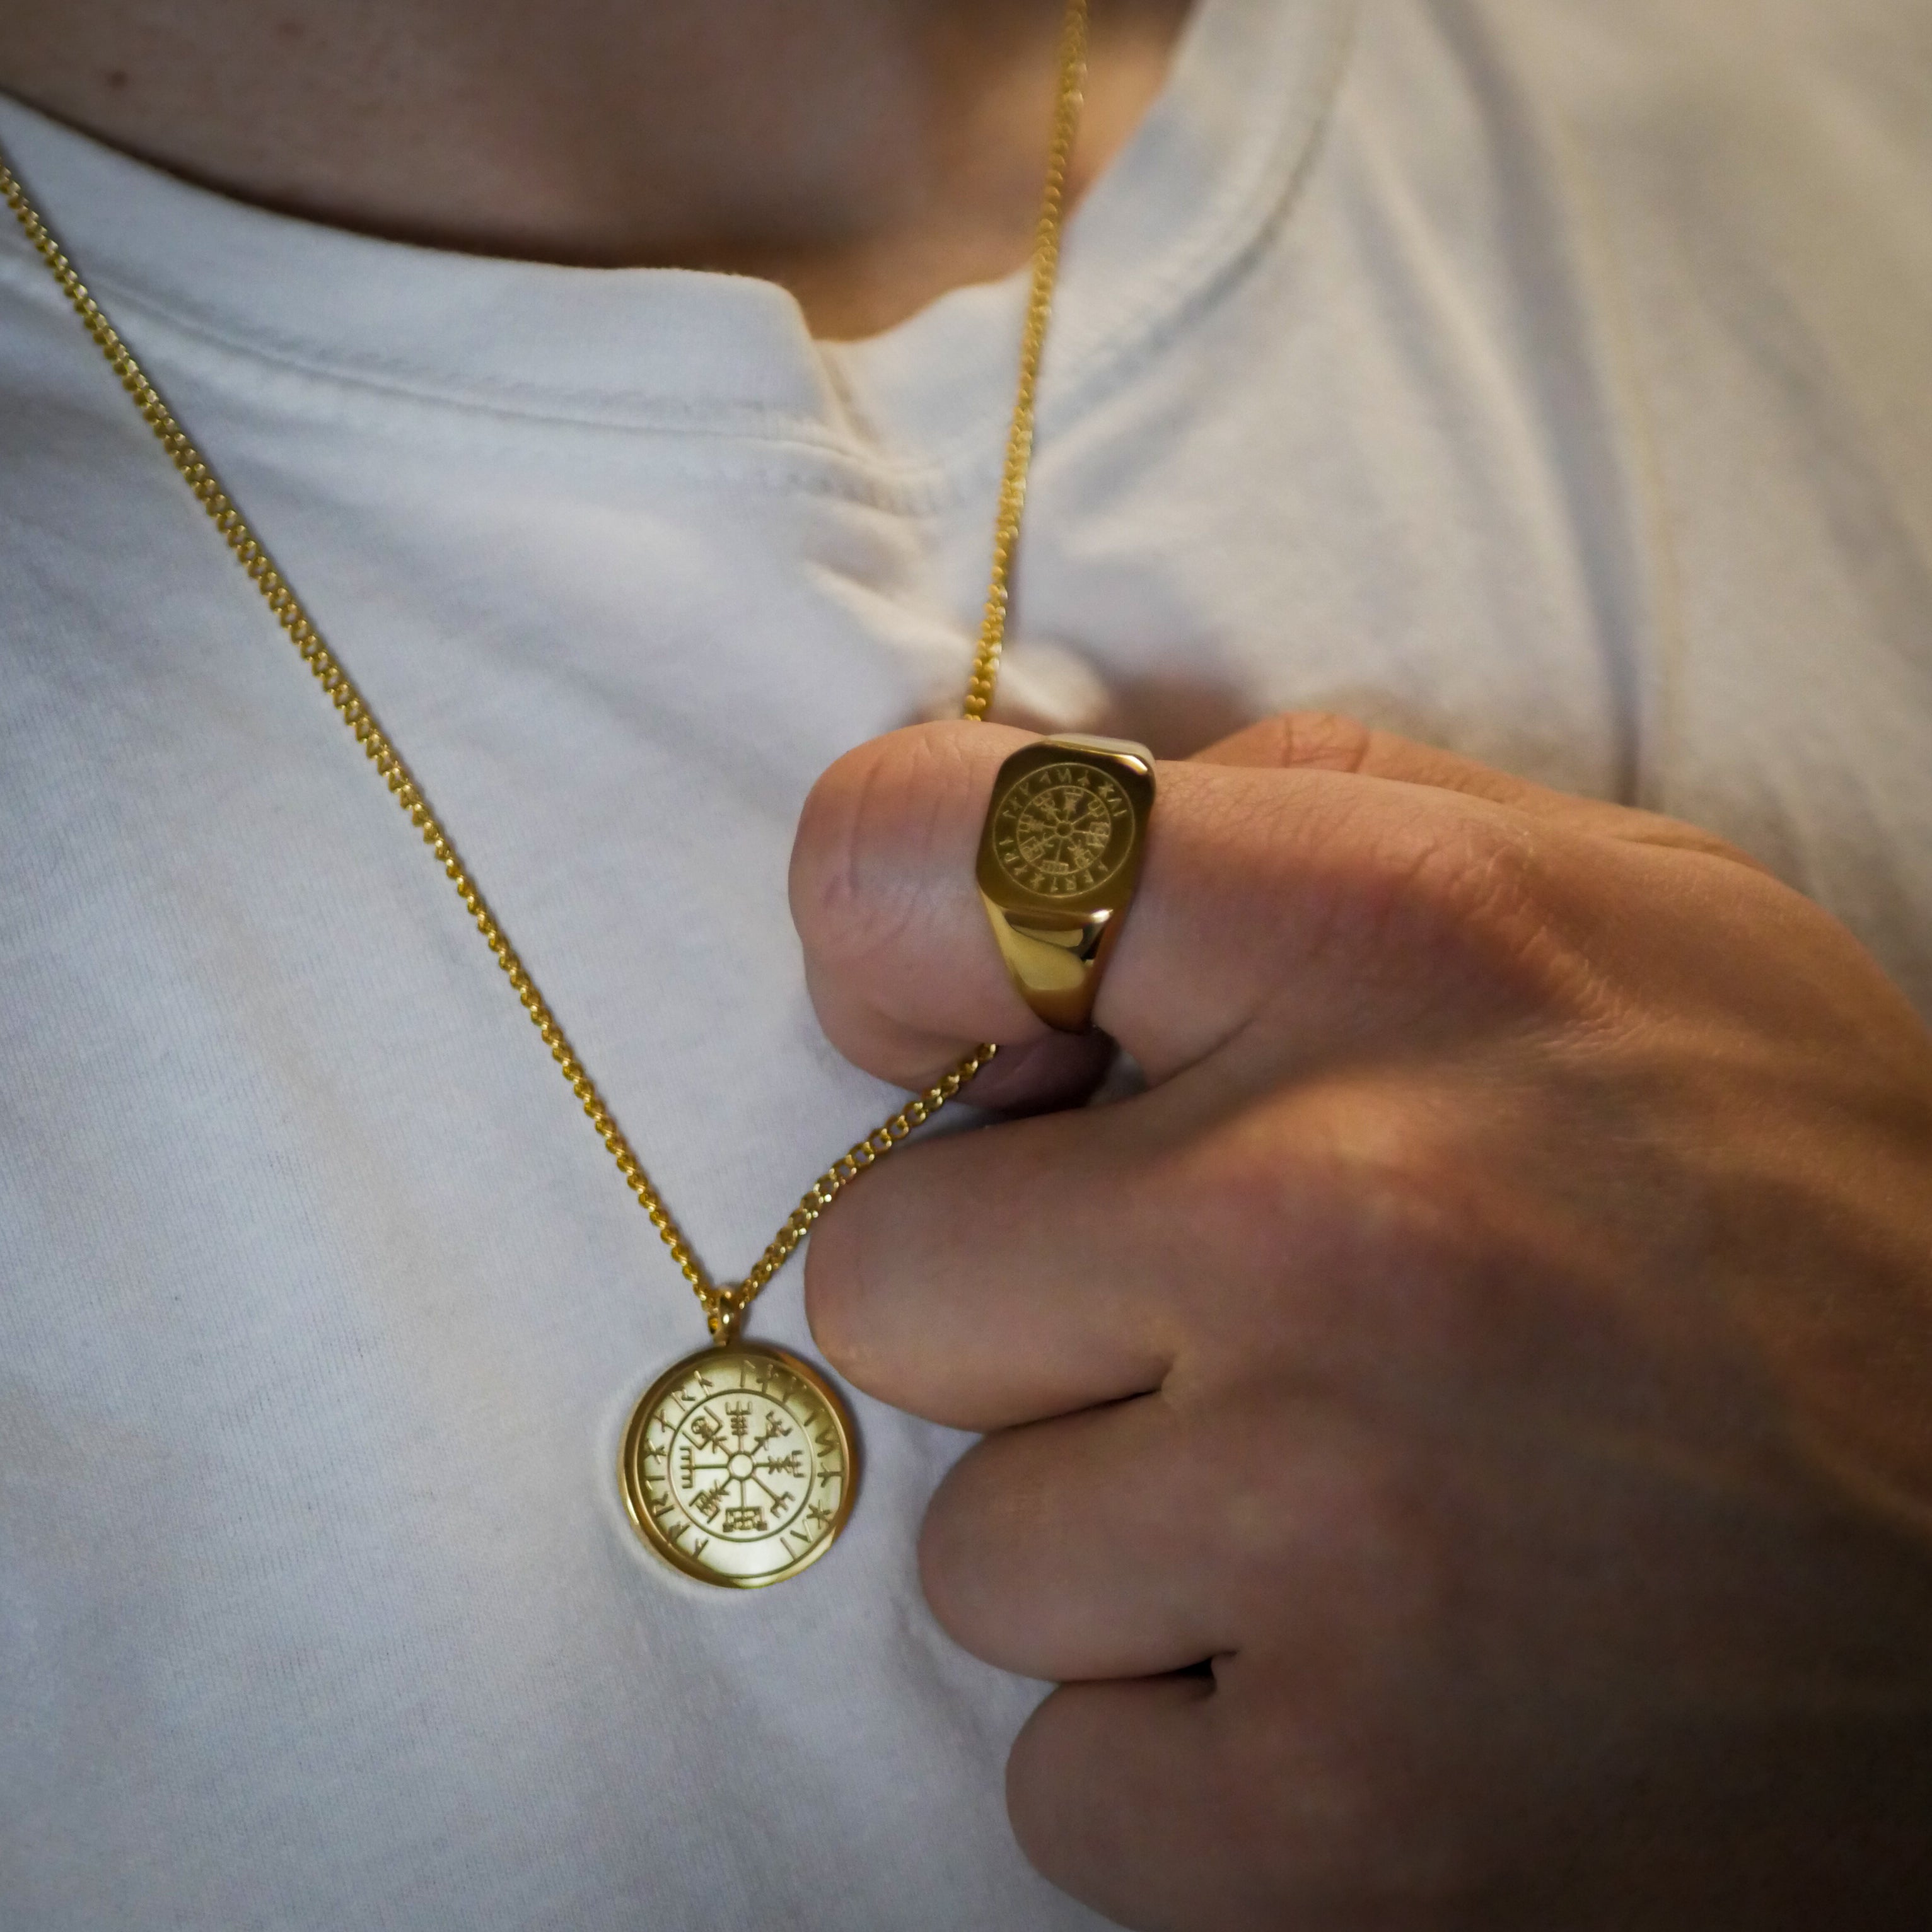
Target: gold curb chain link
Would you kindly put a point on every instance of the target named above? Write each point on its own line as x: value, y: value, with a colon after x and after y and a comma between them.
x: 724, y: 1303
x: 985, y: 672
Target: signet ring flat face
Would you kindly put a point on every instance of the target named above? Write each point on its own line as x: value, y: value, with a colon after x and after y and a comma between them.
x: 1060, y: 855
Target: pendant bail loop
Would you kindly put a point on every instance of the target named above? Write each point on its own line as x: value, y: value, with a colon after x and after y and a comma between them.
x: 727, y: 1315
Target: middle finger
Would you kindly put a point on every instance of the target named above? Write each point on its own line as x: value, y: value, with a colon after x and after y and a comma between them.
x: 1142, y: 1537
x: 1022, y: 1271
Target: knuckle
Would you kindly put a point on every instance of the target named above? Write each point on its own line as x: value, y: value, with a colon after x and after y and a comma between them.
x: 1359, y: 1769
x: 871, y: 1313
x: 856, y: 881
x: 1322, y: 740
x: 1304, y: 1492
x: 833, y: 883
x: 949, y: 1542
x: 980, y: 1520
x: 834, y: 1295
x: 1247, y: 1203
x: 1328, y: 741
x: 1450, y: 903
x: 1355, y: 1229
x: 1473, y: 877
x: 1354, y: 1163
x: 1058, y: 1802
x: 1343, y: 1811
x: 1498, y: 919
x: 1389, y: 1165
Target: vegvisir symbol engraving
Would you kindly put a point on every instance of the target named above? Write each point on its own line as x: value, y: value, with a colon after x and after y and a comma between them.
x: 1063, y: 830
x: 750, y: 1478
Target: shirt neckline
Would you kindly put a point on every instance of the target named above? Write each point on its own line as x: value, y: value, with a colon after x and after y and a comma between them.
x: 1211, y: 165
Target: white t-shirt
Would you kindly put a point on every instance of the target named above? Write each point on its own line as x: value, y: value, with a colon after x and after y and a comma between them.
x: 1548, y: 381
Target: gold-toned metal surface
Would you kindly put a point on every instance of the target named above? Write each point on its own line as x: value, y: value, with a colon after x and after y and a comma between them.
x: 724, y: 1304
x: 985, y: 674
x: 720, y: 1303
x: 738, y: 1466
x: 1060, y: 855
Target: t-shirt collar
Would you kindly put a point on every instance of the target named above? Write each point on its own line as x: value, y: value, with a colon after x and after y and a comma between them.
x: 1207, y: 171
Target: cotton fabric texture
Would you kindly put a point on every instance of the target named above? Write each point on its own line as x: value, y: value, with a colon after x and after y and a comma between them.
x: 1546, y: 381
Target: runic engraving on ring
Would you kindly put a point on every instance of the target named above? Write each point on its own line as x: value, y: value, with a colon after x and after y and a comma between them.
x: 1063, y: 830
x: 1060, y: 854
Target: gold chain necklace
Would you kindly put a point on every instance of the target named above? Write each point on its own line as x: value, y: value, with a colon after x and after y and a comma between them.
x: 738, y: 1465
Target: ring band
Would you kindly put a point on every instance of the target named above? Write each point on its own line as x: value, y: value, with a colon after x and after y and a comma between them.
x: 1060, y: 855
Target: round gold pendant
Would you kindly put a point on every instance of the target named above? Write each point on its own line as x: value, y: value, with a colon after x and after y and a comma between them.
x: 738, y: 1466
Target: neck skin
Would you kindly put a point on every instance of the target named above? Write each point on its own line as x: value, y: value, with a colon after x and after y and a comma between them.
x: 866, y: 154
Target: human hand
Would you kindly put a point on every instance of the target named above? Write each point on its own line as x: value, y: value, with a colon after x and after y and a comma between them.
x: 1499, y: 1342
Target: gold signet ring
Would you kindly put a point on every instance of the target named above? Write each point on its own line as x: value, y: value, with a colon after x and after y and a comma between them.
x: 1059, y: 858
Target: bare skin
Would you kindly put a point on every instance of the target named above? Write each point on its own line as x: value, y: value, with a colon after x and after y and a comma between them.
x: 868, y: 155
x: 1462, y: 1439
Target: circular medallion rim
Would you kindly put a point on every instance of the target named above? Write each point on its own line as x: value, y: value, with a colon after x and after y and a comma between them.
x: 654, y: 1540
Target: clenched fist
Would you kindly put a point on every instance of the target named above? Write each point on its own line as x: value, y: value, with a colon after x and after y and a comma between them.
x: 1462, y: 1439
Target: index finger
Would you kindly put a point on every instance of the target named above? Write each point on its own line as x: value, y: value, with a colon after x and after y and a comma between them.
x: 1262, y: 887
